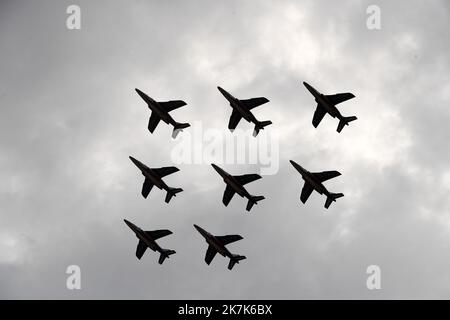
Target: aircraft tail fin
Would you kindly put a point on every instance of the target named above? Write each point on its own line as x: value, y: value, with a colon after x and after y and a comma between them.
x: 179, y: 127
x: 253, y: 200
x: 332, y: 197
x: 236, y: 258
x: 165, y: 254
x: 172, y: 193
x: 260, y: 125
x: 344, y: 122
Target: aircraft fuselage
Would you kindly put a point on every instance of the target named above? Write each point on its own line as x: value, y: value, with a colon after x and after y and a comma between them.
x: 156, y: 107
x: 323, y: 101
x: 331, y: 108
x: 310, y: 179
x: 232, y: 182
x: 163, y: 114
x: 150, y: 174
x: 141, y: 235
x: 238, y: 106
x: 214, y: 242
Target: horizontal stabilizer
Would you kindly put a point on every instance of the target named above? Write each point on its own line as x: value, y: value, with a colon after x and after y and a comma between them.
x: 332, y: 197
x: 172, y: 193
x: 178, y: 127
x: 165, y: 254
x: 260, y: 125
x: 253, y: 200
x: 236, y: 258
x: 344, y: 122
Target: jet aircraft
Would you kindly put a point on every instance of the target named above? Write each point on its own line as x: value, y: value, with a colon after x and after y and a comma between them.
x: 160, y: 111
x: 217, y: 244
x: 153, y: 177
x: 313, y: 181
x: 242, y: 109
x: 235, y: 184
x: 147, y: 239
x: 327, y: 104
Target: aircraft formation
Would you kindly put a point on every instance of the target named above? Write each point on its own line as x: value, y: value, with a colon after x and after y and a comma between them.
x: 241, y: 108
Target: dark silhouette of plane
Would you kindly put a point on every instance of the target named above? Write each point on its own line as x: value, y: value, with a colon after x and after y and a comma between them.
x: 235, y: 184
x: 327, y: 104
x: 147, y: 240
x: 313, y: 181
x: 241, y: 109
x: 217, y: 244
x: 153, y: 177
x: 160, y: 111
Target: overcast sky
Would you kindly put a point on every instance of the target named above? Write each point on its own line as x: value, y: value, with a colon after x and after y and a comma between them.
x: 70, y: 118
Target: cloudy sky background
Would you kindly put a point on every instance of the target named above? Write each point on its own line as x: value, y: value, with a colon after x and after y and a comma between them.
x: 70, y: 118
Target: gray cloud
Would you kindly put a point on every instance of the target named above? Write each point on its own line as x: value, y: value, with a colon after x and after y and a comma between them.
x: 70, y: 119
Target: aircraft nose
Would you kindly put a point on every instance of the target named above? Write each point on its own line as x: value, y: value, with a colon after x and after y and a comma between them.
x: 134, y: 160
x: 128, y: 223
x: 310, y: 88
x: 297, y: 166
x: 222, y: 91
x: 198, y: 228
